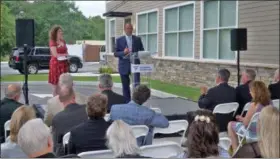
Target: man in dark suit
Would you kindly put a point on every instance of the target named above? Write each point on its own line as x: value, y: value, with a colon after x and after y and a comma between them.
x: 275, y: 87
x: 8, y: 105
x: 222, y: 93
x: 125, y: 45
x: 90, y: 135
x: 243, y: 95
x: 72, y: 115
x: 105, y: 86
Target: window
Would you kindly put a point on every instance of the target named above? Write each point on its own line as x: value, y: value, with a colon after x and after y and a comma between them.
x: 112, y: 36
x: 179, y: 31
x: 42, y: 51
x: 219, y: 17
x: 147, y: 30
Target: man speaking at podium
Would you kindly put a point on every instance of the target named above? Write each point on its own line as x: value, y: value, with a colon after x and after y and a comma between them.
x: 125, y: 45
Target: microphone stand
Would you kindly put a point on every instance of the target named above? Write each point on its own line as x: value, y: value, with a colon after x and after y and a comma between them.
x: 25, y: 85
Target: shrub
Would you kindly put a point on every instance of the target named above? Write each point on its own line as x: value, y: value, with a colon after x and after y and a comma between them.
x: 106, y: 69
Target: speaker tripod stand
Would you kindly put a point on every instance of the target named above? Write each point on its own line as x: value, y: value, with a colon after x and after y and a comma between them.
x: 25, y: 85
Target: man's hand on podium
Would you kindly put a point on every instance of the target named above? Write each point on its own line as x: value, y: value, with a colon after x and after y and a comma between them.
x: 126, y: 51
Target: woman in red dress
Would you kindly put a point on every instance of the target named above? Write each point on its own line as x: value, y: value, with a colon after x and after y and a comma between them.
x: 58, y: 62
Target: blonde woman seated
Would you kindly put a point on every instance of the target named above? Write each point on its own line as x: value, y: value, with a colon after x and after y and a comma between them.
x: 203, y: 137
x: 21, y: 115
x: 260, y: 98
x: 122, y: 141
x: 268, y: 132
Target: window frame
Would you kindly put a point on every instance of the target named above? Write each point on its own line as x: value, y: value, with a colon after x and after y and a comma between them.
x: 157, y: 33
x: 163, y: 30
x: 110, y: 36
x: 218, y: 28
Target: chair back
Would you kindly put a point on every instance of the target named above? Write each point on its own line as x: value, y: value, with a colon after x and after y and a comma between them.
x: 66, y: 138
x: 226, y: 108
x: 163, y: 150
x: 157, y: 110
x: 246, y: 108
x: 275, y: 103
x: 97, y: 154
x: 107, y: 117
x: 225, y: 143
x: 7, y: 127
x: 175, y: 126
x: 139, y: 130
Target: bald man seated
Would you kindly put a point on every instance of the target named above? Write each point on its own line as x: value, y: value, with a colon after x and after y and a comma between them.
x: 8, y: 105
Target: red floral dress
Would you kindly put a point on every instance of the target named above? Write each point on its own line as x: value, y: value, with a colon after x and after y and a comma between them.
x: 57, y: 67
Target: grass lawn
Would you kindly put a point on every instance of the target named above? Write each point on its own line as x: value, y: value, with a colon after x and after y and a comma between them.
x: 179, y: 90
x: 4, y: 58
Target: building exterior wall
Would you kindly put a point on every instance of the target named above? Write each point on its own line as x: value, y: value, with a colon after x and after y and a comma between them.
x: 259, y: 17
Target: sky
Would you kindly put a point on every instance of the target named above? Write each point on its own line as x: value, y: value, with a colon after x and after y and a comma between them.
x: 91, y: 8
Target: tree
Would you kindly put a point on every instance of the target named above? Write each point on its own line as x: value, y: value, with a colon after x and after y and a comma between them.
x: 7, y: 31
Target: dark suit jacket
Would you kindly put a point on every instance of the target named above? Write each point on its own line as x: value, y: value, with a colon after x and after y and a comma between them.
x: 121, y: 44
x: 64, y: 121
x: 113, y: 98
x: 243, y: 96
x: 7, y: 108
x: 88, y: 136
x: 223, y: 93
x: 274, y: 90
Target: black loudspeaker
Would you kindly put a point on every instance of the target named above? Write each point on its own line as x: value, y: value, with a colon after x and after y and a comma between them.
x: 238, y: 39
x: 25, y: 32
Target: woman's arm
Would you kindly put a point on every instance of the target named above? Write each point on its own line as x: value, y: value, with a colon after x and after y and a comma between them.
x: 251, y: 111
x: 53, y: 51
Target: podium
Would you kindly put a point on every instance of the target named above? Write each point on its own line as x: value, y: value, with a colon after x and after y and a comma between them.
x: 141, y: 73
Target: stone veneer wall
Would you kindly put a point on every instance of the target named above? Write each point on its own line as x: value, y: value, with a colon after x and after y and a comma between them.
x: 194, y: 73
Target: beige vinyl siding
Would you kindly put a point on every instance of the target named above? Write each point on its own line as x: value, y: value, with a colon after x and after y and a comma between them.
x: 261, y: 18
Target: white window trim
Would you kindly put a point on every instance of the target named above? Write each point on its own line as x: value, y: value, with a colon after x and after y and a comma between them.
x: 202, y: 29
x: 109, y: 49
x: 108, y: 1
x: 163, y: 31
x: 136, y: 26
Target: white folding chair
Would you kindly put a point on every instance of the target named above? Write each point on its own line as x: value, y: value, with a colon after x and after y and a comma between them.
x: 242, y: 137
x: 226, y: 108
x: 7, y: 127
x: 225, y: 143
x: 65, y: 139
x: 174, y: 127
x: 107, y: 117
x: 157, y: 110
x: 139, y: 130
x: 97, y: 154
x: 246, y: 108
x: 275, y: 103
x: 163, y: 150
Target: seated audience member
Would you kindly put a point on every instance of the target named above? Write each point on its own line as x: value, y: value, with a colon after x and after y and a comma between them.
x: 243, y: 95
x: 8, y: 105
x: 54, y: 105
x: 34, y: 138
x: 122, y: 141
x: 21, y: 115
x: 203, y: 138
x: 203, y: 132
x: 260, y: 99
x: 90, y: 135
x: 222, y: 93
x: 134, y: 113
x: 105, y: 86
x: 72, y: 115
x: 268, y: 132
x: 275, y: 87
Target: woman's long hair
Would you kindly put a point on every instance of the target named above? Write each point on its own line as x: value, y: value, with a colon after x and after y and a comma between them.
x: 203, y: 136
x: 261, y: 93
x: 268, y: 131
x: 53, y: 32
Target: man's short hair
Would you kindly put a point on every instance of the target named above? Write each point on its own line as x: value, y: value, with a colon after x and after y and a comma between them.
x: 224, y: 74
x: 105, y: 81
x: 65, y: 93
x: 12, y: 90
x: 33, y: 136
x: 251, y: 74
x: 141, y: 94
x: 97, y: 106
x: 65, y: 79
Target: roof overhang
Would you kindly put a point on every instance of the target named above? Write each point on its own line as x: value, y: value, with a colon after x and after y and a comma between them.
x: 117, y: 14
